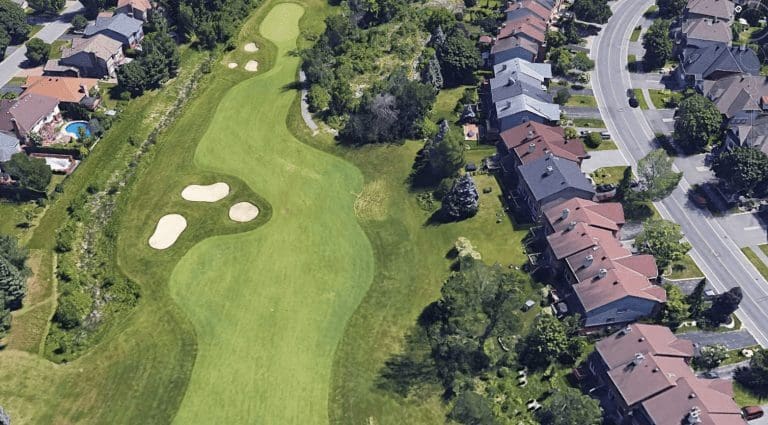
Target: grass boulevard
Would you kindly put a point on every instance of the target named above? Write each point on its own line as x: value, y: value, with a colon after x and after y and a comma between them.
x: 287, y: 319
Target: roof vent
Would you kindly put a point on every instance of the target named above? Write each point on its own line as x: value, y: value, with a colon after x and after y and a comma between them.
x: 694, y: 416
x: 571, y: 225
x: 641, y: 339
x: 602, y: 273
x: 565, y: 213
x: 510, y: 81
x: 531, y: 134
x: 655, y: 369
x: 692, y: 395
x: 639, y: 357
x: 550, y: 169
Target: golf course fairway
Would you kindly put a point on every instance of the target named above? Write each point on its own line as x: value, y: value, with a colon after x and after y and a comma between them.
x: 269, y: 306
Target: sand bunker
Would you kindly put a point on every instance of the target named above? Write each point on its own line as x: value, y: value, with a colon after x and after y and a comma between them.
x: 243, y: 211
x: 205, y: 193
x: 231, y: 65
x: 251, y: 48
x: 252, y: 66
x: 168, y: 229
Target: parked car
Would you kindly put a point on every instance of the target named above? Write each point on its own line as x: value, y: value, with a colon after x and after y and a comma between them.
x: 633, y: 102
x: 605, y: 135
x: 752, y: 412
x: 711, y: 375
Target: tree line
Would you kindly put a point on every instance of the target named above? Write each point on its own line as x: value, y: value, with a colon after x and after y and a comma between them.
x: 13, y: 279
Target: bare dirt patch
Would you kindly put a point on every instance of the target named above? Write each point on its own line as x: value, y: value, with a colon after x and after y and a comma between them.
x: 252, y: 66
x: 243, y: 212
x: 168, y: 229
x: 205, y: 193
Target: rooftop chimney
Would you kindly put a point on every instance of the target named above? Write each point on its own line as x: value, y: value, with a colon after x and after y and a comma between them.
x: 550, y: 169
x: 531, y: 134
x: 588, y: 260
x: 639, y: 357
x: 531, y: 147
x: 694, y: 415
x: 565, y: 213
x: 602, y: 273
x: 571, y: 225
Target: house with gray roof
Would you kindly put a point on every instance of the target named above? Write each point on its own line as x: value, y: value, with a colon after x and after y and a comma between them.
x: 513, y: 48
x: 752, y: 133
x: 521, y: 70
x: 120, y: 27
x: 739, y: 98
x: 9, y: 145
x: 518, y: 88
x: 94, y: 57
x: 551, y: 179
x: 517, y: 110
x: 714, y: 62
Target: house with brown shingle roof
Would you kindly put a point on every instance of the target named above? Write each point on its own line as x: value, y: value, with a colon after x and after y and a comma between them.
x: 530, y: 141
x: 514, y: 47
x: 702, y: 31
x: 137, y: 9
x: 70, y: 90
x: 523, y: 30
x: 649, y: 382
x: 30, y: 113
x: 97, y: 57
x: 523, y: 8
x: 714, y: 9
x: 607, y: 216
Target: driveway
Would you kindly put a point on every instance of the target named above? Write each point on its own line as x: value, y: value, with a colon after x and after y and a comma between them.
x: 745, y: 229
x: 733, y: 340
x: 600, y: 159
x: 51, y: 31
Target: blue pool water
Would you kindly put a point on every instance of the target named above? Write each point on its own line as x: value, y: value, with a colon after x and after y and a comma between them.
x: 73, y: 128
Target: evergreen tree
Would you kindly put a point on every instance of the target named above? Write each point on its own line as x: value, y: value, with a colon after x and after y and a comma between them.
x: 12, y: 284
x: 461, y: 201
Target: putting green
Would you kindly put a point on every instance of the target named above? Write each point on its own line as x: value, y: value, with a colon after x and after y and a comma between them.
x: 269, y: 306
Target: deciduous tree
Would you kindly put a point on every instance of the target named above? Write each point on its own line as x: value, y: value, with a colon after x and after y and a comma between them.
x: 37, y: 51
x: 459, y: 58
x: 596, y: 11
x: 663, y: 240
x: 14, y: 21
x: 676, y: 309
x: 656, y: 176
x: 51, y: 7
x: 569, y: 406
x: 744, y: 169
x: 698, y: 123
x: 670, y: 9
x: 657, y: 44
x: 472, y: 409
x: 31, y: 173
x: 710, y: 356
x: 79, y: 22
x: 755, y: 377
x: 724, y: 305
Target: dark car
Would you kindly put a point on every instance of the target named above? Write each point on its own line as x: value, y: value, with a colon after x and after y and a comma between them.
x: 711, y: 375
x: 752, y: 412
x: 633, y: 102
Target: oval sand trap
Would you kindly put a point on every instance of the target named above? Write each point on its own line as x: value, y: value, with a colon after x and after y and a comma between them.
x: 205, y: 193
x: 168, y: 229
x: 243, y: 211
x: 251, y: 48
x: 231, y: 65
x: 252, y: 66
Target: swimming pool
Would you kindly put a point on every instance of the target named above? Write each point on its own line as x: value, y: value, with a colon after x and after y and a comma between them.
x: 73, y: 129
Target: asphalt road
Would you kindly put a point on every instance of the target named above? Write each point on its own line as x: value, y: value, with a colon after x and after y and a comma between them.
x: 52, y: 30
x: 713, y: 250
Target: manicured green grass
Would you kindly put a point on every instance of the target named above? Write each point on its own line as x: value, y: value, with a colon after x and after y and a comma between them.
x: 588, y: 122
x: 764, y: 248
x: 756, y: 261
x: 56, y: 46
x: 612, y: 175
x: 636, y: 33
x: 34, y: 29
x: 661, y: 98
x: 640, y: 98
x: 684, y: 269
x: 650, y: 11
x: 605, y: 145
x: 582, y: 101
x: 632, y: 63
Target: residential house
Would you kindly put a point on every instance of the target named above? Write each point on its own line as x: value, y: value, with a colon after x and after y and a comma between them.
x: 523, y: 8
x: 522, y: 28
x: 530, y: 141
x: 703, y: 32
x: 138, y: 9
x: 525, y: 70
x: 614, y: 296
x: 514, y: 88
x: 713, y: 9
x: 128, y: 31
x: 68, y: 90
x: 715, y: 62
x: 30, y: 113
x: 549, y: 180
x: 740, y: 98
x: 514, y: 47
x: 753, y: 133
x: 608, y: 215
x: 645, y: 371
x: 97, y: 57
x: 523, y: 108
x: 9, y: 145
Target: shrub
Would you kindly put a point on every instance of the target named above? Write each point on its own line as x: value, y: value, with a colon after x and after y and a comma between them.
x: 72, y: 309
x: 593, y: 140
